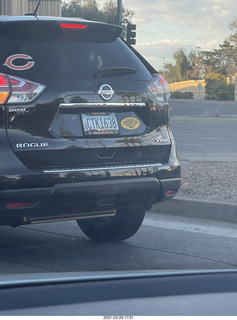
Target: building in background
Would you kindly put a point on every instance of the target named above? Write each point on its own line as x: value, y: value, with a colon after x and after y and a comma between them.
x: 20, y: 7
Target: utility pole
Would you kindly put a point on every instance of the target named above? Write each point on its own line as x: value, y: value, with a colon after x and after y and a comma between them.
x: 120, y: 12
x: 198, y: 65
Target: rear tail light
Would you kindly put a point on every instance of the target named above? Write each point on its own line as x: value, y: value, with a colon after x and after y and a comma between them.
x: 4, y: 88
x: 160, y: 88
x: 171, y: 192
x: 17, y: 90
x: 17, y: 205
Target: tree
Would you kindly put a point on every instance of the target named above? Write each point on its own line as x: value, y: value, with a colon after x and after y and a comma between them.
x: 181, y: 65
x: 110, y: 10
x: 170, y: 72
x: 195, y: 68
x: 196, y: 65
x: 89, y: 10
x: 182, y: 68
x: 217, y: 89
x: 224, y: 59
x: 219, y: 60
x: 233, y: 28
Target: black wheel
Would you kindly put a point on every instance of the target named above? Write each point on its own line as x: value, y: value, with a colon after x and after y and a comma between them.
x: 111, y: 229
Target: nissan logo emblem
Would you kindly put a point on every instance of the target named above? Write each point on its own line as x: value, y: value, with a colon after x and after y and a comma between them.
x: 106, y: 92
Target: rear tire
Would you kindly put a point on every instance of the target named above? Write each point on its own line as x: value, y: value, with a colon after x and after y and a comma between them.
x: 112, y: 229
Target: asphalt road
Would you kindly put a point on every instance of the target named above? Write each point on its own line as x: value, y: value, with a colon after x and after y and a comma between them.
x: 162, y: 243
x: 205, y: 129
x: 200, y: 108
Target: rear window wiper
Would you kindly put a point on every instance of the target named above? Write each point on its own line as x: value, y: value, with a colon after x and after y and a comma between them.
x: 114, y: 72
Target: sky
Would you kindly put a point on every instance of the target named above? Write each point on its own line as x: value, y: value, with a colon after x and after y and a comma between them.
x: 164, y: 26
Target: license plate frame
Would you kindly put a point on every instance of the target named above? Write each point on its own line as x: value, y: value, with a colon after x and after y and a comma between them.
x: 105, y: 123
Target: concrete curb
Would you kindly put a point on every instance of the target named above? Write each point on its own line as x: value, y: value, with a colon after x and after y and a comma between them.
x: 194, y: 208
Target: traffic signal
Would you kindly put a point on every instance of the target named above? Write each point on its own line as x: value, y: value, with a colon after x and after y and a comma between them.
x: 131, y: 33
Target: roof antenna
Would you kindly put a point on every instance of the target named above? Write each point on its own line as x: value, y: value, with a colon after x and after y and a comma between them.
x: 35, y: 12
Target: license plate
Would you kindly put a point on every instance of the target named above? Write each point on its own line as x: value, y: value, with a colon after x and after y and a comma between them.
x: 95, y: 124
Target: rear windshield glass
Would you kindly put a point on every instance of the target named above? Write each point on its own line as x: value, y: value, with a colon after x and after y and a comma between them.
x: 61, y: 58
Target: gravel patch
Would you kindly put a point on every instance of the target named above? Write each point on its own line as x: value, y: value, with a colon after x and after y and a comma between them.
x: 213, y: 181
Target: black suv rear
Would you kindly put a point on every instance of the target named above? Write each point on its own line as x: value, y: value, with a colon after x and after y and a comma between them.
x: 84, y: 128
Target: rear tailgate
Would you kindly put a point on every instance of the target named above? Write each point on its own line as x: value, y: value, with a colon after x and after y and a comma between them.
x: 71, y: 122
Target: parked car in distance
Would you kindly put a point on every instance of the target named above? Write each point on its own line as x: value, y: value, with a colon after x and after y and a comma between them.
x: 84, y: 128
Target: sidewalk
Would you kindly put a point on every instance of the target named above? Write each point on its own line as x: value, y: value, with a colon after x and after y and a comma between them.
x: 193, y: 208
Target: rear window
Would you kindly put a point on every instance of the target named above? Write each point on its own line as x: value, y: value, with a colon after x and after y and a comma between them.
x: 65, y: 55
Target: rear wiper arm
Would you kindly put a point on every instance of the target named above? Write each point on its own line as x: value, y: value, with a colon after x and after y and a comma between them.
x: 114, y: 72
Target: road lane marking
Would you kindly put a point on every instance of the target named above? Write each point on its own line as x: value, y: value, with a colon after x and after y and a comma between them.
x: 209, y: 137
x: 189, y: 144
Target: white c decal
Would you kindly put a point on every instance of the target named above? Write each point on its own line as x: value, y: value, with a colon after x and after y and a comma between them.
x: 10, y: 62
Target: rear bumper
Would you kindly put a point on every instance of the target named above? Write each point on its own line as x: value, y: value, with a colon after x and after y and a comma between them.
x: 82, y: 199
x: 64, y: 194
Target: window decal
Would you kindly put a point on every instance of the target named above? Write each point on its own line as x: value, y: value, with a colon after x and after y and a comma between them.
x: 10, y: 62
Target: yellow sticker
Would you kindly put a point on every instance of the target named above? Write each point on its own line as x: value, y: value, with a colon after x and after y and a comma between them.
x: 130, y: 123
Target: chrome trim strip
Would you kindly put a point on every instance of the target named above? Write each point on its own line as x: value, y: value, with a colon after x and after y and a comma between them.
x: 101, y: 104
x: 103, y: 168
x: 78, y: 216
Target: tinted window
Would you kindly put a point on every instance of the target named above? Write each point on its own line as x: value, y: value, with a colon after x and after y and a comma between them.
x: 69, y: 59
